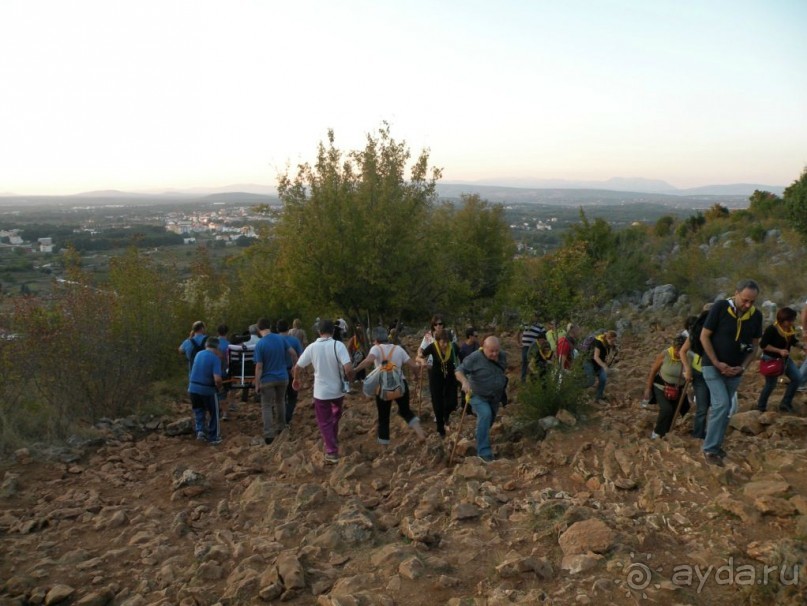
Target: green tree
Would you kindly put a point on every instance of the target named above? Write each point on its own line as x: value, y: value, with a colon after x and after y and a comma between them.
x: 795, y: 197
x: 663, y: 226
x: 717, y: 211
x: 352, y: 229
x: 765, y: 204
x: 473, y: 248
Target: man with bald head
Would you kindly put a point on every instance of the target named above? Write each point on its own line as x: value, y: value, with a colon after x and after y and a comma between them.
x: 482, y: 374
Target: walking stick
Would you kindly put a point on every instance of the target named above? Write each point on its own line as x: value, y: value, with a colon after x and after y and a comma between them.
x: 678, y: 408
x: 420, y: 390
x: 465, y: 405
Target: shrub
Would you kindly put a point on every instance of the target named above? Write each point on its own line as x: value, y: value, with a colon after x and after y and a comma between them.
x: 544, y: 396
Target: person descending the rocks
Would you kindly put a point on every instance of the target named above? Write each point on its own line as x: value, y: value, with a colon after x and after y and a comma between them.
x: 203, y: 385
x: 776, y: 342
x: 664, y: 384
x: 691, y: 356
x: 730, y: 337
x: 567, y: 346
x: 383, y: 351
x: 597, y: 362
x: 528, y: 334
x: 442, y: 382
x: 483, y: 376
x: 540, y: 357
x: 332, y: 369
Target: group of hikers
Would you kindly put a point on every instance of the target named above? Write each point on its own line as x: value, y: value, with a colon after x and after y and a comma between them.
x: 712, y: 354
x: 282, y: 355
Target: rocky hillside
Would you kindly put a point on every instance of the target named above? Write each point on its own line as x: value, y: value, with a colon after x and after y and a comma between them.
x: 596, y: 513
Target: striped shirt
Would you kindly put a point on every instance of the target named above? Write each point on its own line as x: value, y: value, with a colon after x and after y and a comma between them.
x: 531, y: 333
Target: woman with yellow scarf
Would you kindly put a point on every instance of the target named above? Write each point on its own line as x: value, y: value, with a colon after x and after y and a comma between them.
x: 664, y: 383
x: 442, y: 382
x: 776, y: 342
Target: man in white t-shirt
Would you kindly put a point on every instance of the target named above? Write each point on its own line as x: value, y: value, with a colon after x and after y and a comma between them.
x: 332, y: 369
x: 382, y: 350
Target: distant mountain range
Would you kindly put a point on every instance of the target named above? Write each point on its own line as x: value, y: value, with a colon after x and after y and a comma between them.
x: 556, y: 192
x: 620, y: 184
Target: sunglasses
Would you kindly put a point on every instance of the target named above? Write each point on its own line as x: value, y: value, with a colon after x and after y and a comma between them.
x: 438, y: 323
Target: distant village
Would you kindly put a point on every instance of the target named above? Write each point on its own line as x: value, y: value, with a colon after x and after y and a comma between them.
x: 226, y: 224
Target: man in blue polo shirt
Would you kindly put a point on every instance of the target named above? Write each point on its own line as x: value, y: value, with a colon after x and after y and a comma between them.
x: 271, y: 378
x: 205, y: 382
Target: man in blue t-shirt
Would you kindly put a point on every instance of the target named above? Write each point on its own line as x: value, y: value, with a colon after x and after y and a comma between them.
x: 730, y: 336
x: 204, y: 384
x: 271, y: 378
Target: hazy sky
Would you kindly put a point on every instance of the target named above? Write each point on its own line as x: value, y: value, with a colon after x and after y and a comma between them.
x: 150, y: 94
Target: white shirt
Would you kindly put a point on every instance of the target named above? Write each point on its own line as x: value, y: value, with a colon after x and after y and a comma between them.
x: 394, y: 354
x: 328, y: 366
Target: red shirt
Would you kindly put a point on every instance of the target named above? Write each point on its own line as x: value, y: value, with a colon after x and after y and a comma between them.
x: 565, y: 348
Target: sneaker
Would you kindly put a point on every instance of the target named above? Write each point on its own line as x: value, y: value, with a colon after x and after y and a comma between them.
x: 382, y: 442
x: 200, y: 435
x: 331, y: 459
x: 713, y: 459
x: 654, y: 436
x: 487, y: 458
x: 224, y: 417
x: 215, y: 441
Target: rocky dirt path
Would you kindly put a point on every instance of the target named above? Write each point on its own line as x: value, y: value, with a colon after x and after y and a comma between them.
x: 595, y: 513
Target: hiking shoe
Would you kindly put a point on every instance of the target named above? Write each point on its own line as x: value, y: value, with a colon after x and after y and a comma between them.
x: 654, y: 436
x: 268, y: 440
x: 722, y: 453
x: 200, y: 435
x: 331, y: 459
x: 785, y: 409
x: 224, y: 417
x: 215, y: 441
x: 487, y: 458
x: 713, y: 459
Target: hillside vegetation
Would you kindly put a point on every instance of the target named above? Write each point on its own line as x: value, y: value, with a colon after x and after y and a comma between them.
x: 362, y: 234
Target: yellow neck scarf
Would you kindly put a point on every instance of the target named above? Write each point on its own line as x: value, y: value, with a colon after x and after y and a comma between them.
x: 785, y: 333
x: 746, y: 316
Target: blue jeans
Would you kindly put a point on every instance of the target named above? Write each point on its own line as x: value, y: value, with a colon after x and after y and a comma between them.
x: 206, y: 406
x: 593, y: 371
x: 721, y: 391
x: 793, y: 374
x: 702, y: 401
x: 524, y: 362
x: 485, y: 415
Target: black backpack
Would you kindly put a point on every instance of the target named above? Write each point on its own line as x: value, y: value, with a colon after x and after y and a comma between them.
x: 695, y: 345
x: 197, y: 347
